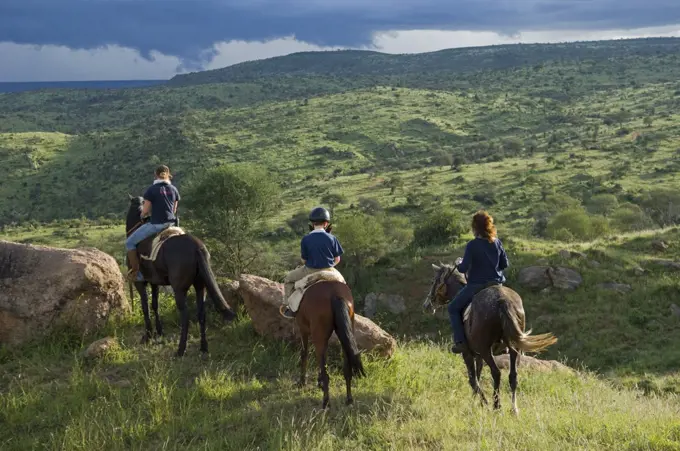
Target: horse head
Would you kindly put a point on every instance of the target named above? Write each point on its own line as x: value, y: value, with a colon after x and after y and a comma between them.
x: 446, y: 283
x: 134, y: 214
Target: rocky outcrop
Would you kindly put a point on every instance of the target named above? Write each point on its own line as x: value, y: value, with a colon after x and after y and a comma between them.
x: 43, y: 288
x: 100, y: 347
x: 262, y: 299
x: 542, y: 277
x: 393, y: 303
x: 503, y: 362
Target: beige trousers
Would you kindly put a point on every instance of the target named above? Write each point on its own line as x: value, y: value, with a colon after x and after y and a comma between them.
x: 292, y: 277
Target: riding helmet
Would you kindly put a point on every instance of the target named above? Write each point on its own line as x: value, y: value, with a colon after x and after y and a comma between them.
x: 320, y: 214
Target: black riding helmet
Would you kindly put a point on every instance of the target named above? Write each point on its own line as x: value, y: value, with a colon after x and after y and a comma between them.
x: 319, y: 214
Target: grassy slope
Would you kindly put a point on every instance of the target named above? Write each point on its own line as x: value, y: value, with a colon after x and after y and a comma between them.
x: 244, y: 398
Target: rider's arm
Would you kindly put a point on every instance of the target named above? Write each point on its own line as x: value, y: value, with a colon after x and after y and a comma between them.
x: 174, y: 209
x: 146, y: 208
x: 503, y: 262
x: 337, y: 260
x: 464, y: 266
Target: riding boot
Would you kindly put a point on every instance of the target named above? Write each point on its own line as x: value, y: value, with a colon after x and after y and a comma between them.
x: 287, y: 313
x: 460, y: 348
x: 133, y: 258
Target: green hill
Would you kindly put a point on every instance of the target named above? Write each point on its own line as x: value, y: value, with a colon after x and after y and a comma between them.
x: 570, y: 146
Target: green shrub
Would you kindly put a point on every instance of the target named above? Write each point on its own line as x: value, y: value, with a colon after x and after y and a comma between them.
x: 630, y: 218
x: 576, y: 225
x: 602, y: 204
x: 439, y: 227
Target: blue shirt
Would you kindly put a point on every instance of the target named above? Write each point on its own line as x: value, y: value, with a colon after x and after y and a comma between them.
x: 319, y: 249
x: 484, y: 262
x: 162, y: 196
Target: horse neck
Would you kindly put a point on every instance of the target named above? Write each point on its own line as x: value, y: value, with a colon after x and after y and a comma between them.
x: 453, y: 286
x: 133, y: 218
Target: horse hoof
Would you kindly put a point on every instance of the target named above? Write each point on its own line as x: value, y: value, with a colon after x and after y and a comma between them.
x: 144, y: 340
x: 324, y: 405
x: 205, y: 356
x: 179, y: 354
x: 349, y: 401
x: 515, y: 411
x: 301, y: 383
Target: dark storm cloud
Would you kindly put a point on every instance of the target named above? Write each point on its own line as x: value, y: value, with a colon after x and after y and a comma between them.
x: 189, y: 28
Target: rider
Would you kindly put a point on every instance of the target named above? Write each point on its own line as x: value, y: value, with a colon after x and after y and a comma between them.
x: 319, y: 251
x: 160, y: 203
x: 483, y: 262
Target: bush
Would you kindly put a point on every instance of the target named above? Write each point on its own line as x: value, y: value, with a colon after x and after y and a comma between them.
x: 576, y: 225
x: 370, y: 206
x: 439, y: 227
x: 630, y: 218
x: 603, y: 204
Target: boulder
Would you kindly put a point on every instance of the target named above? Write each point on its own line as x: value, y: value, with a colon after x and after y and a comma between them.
x: 43, y: 288
x: 262, y: 299
x: 229, y: 290
x: 618, y: 287
x: 566, y: 254
x: 542, y: 277
x: 675, y: 310
x: 390, y: 302
x: 100, y: 347
x: 666, y: 263
x: 659, y: 245
x: 503, y: 362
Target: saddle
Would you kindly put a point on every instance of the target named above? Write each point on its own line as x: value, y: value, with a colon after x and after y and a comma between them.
x: 159, y: 240
x: 302, y: 285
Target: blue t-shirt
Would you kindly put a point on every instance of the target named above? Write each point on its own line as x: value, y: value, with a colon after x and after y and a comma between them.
x: 319, y: 249
x: 162, y: 197
x: 484, y: 262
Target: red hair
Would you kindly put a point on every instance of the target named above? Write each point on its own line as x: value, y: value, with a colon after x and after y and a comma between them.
x: 483, y: 226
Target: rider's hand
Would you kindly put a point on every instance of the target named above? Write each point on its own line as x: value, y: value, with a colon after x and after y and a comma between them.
x: 459, y: 260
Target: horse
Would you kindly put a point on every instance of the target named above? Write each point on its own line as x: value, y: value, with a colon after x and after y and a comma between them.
x: 181, y: 262
x: 496, y: 320
x: 328, y: 306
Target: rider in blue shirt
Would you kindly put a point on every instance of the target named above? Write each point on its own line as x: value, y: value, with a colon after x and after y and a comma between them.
x: 160, y: 203
x: 483, y: 262
x: 319, y: 251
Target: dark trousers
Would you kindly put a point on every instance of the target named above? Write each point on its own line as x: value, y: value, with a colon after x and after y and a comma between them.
x: 458, y: 305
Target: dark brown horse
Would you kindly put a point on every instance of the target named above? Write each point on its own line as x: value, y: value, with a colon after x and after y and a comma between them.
x: 496, y: 320
x: 327, y: 307
x: 182, y: 261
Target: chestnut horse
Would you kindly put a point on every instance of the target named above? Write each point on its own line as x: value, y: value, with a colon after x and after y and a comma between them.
x: 326, y: 307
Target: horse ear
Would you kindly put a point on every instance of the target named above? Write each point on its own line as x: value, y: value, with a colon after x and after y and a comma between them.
x: 435, y: 267
x: 131, y: 196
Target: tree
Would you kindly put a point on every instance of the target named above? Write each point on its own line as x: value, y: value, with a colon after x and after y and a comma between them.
x: 442, y: 226
x: 226, y: 206
x: 333, y: 200
x: 393, y: 183
x: 648, y: 121
x: 364, y: 241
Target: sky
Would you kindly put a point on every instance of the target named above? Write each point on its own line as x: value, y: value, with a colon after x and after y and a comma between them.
x: 59, y: 40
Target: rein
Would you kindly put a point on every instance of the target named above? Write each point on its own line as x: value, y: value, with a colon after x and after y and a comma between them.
x: 132, y: 230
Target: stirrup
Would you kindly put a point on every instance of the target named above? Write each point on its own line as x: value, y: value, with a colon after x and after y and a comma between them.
x: 283, y: 309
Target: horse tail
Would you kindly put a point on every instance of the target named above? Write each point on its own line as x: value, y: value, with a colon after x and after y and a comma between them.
x: 206, y: 274
x: 516, y: 337
x: 343, y: 329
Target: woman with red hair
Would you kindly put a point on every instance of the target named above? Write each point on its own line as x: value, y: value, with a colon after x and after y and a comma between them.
x: 483, y: 263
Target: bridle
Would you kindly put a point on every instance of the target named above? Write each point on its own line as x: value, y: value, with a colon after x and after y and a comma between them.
x: 132, y: 230
x: 441, y: 284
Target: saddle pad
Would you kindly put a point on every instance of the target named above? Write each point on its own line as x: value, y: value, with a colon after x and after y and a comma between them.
x: 161, y: 238
x: 302, y: 285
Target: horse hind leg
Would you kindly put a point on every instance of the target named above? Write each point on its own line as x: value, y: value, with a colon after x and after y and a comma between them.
x: 472, y: 377
x: 304, y: 357
x: 513, y: 379
x: 200, y: 307
x: 154, y: 307
x: 144, y: 301
x: 496, y: 374
x: 479, y: 363
x: 321, y: 346
x: 347, y: 370
x: 181, y: 302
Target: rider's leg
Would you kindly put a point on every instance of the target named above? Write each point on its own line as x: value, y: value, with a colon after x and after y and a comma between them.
x: 456, y: 308
x: 143, y: 232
